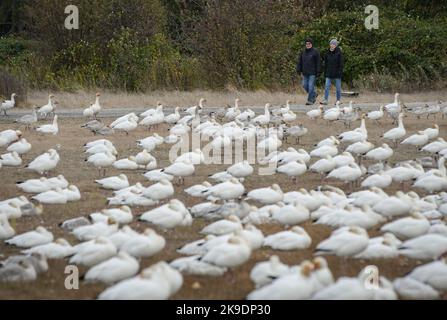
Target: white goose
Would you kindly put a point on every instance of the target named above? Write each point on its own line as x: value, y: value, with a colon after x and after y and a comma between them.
x: 180, y: 169
x: 291, y: 214
x: 6, y: 231
x: 396, y: 134
x: 324, y: 165
x: 102, y: 161
x: 168, y: 216
x: 293, y: 169
x: 159, y: 191
x: 228, y: 190
x: 93, y: 231
x: 379, y: 180
x: 9, y: 136
x: 434, y: 274
x: 346, y: 241
x: 129, y: 163
x: 115, y: 269
x: 416, y: 140
x: 45, y: 162
x: 114, y: 183
x: 230, y: 254
x: 48, y: 108
x: 174, y: 117
x: 49, y: 128
x: 241, y: 170
x: 92, y: 253
x: 28, y: 119
x: 195, y: 266
x: 426, y: 247
x: 333, y: 113
x: 127, y: 125
x: 270, y: 195
x: 265, y: 272
x: 144, y: 245
x: 409, y: 227
x: 263, y: 119
x: 348, y: 173
x: 21, y: 147
x: 315, y: 114
x: 380, y: 154
x: 198, y: 189
x: 11, y: 159
x: 126, y: 117
x: 432, y: 133
x: 294, y: 239
x: 33, y: 238
x: 375, y: 115
x: 8, y: 104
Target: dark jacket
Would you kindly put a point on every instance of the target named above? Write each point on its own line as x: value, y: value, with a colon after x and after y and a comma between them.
x: 309, y: 62
x: 333, y: 64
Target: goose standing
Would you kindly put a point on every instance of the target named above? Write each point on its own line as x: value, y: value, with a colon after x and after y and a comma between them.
x: 315, y: 114
x: 263, y: 119
x: 28, y: 119
x: 8, y: 104
x: 180, y: 170
x: 380, y: 154
x: 416, y: 140
x: 49, y: 108
x: 376, y: 115
x: 396, y: 134
x: 102, y: 161
x: 45, y: 162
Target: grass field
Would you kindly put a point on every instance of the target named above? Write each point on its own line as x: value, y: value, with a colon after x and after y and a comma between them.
x: 233, y: 285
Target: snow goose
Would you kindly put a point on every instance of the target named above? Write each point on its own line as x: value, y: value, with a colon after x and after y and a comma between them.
x: 375, y: 115
x: 289, y: 116
x: 38, y: 261
x: 124, y: 118
x: 436, y: 146
x: 102, y: 161
x: 45, y: 162
x: 159, y: 191
x: 58, y: 249
x: 380, y: 154
x: 180, y: 169
x: 432, y: 133
x: 152, y: 111
x: 49, y: 128
x: 324, y: 165
x: 122, y: 215
x: 315, y: 113
x: 158, y: 175
x: 9, y: 136
x: 194, y: 266
x: 395, y: 107
x: 150, y: 143
x: 127, y: 125
x: 228, y: 190
x: 298, y: 284
x: 263, y: 119
x: 294, y: 239
x: 198, y: 189
x: 432, y: 183
x: 225, y: 226
x: 269, y: 195
x: 102, y: 148
x: 324, y: 150
x: 333, y: 113
x: 265, y: 272
x: 93, y: 231
x: 241, y: 170
x: 360, y: 148
x: 357, y: 135
x: 396, y: 134
x: 296, y: 131
x: 380, y: 180
x: 127, y: 164
x: 8, y: 104
x: 229, y: 254
x: 433, y: 274
x: 290, y: 215
x: 174, y: 117
x: 233, y: 112
x: 52, y: 197
x: 92, y: 253
x: 20, y: 272
x: 196, y: 109
x: 28, y: 119
x: 96, y: 107
x: 409, y: 288
x: 6, y: 231
x: 49, y: 108
x: 118, y: 268
x: 380, y: 248
x: 32, y: 238
x: 426, y: 247
x: 346, y: 288
x: 344, y: 159
x: 408, y: 227
x: 168, y: 216
x: 196, y: 157
x: 21, y: 147
x: 416, y: 140
x: 349, y: 173
x: 144, y: 245
x: 72, y: 193
x: 393, y: 206
x: 293, y: 169
x: 346, y: 241
x: 114, y: 183
x: 153, y: 120
x: 11, y: 159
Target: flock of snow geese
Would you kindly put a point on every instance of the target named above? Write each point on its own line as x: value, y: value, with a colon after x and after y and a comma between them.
x: 411, y: 225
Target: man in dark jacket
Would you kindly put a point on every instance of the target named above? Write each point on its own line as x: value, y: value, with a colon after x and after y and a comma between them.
x: 333, y: 70
x: 309, y: 65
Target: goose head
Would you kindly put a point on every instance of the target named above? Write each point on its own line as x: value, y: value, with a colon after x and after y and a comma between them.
x: 306, y: 268
x: 320, y: 263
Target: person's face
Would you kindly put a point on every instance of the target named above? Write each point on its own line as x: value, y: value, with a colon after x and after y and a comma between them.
x: 332, y: 46
x: 308, y: 45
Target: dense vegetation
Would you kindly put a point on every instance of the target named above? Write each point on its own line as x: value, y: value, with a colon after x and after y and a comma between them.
x: 142, y: 45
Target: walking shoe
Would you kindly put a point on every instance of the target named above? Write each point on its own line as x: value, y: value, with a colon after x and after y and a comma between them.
x: 309, y: 103
x: 324, y: 102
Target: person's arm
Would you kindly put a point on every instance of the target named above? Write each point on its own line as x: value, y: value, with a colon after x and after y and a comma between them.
x: 299, y: 64
x: 318, y: 63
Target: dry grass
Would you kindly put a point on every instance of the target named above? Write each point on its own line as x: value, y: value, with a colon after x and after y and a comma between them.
x: 71, y: 140
x: 83, y: 99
